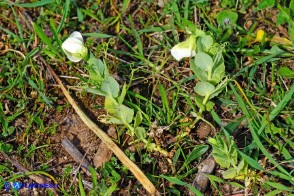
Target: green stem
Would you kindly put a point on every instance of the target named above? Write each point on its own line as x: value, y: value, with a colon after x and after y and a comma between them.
x: 199, y: 114
x: 209, y: 75
x: 205, y: 99
x: 130, y: 128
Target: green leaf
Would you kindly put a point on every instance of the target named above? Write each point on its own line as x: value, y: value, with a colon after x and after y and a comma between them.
x: 97, y: 35
x: 241, y: 166
x: 218, y: 74
x: 189, y: 25
x: 288, y: 96
x: 222, y: 160
x: 281, y: 18
x: 219, y: 88
x: 45, y: 39
x: 200, y: 74
x: 5, y: 147
x: 123, y: 93
x: 97, y: 69
x: 95, y: 91
x: 197, y: 152
x: 176, y: 12
x: 235, y: 184
x: 274, y: 193
x: 227, y: 18
x: 206, y: 41
x: 215, y: 178
x: 80, y: 15
x: 230, y: 173
x: 209, y: 106
x: 212, y: 141
x: 285, y: 12
x: 138, y: 119
x: 174, y: 180
x: 291, y: 6
x: 119, y: 114
x: 224, y: 150
x: 176, y: 157
x: 203, y: 61
x: 198, y: 101
x: 218, y: 69
x: 204, y: 88
x: 165, y: 103
x: 214, y: 49
x: 266, y: 4
x: 110, y: 86
x: 125, y: 6
x: 137, y: 36
x: 218, y: 59
x: 281, y: 175
x: 30, y: 5
x: 140, y: 133
x: 251, y: 161
x: 81, y: 187
x: 65, y: 13
x: 46, y: 100
x: 94, y: 177
x: 291, y: 30
x: 54, y: 31
x: 279, y: 186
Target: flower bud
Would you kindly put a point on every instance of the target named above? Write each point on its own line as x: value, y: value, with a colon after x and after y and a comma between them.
x: 185, y: 48
x: 260, y: 35
x: 74, y: 47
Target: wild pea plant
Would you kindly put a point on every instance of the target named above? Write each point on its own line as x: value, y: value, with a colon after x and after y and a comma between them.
x: 102, y: 83
x: 207, y: 63
x: 225, y: 153
x: 208, y: 66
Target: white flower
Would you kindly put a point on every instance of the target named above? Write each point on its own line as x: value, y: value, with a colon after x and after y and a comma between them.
x: 74, y: 47
x: 185, y: 48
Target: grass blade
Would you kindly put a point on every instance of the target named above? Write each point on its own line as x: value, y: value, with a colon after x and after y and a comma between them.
x: 197, y: 152
x: 278, y: 108
x: 165, y: 103
x: 81, y: 187
x: 65, y: 12
x: 282, y: 104
x: 33, y: 84
x: 137, y: 36
x: 279, y: 186
x: 98, y: 35
x: 251, y: 161
x: 254, y: 134
x: 45, y: 39
x: 29, y: 5
x: 174, y: 180
x: 54, y: 30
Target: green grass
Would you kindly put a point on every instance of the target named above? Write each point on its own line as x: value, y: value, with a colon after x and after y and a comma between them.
x: 134, y: 42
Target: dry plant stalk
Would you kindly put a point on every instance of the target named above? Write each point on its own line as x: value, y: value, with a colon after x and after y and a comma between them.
x: 147, y: 184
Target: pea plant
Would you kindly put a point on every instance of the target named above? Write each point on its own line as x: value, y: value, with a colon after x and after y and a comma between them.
x: 207, y: 63
x: 100, y: 82
x: 225, y: 153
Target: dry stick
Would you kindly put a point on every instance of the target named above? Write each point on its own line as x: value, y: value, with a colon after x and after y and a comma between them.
x: 76, y: 155
x: 105, y: 138
x: 21, y: 168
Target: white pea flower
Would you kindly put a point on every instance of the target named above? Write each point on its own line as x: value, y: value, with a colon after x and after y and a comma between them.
x: 74, y: 47
x: 185, y: 48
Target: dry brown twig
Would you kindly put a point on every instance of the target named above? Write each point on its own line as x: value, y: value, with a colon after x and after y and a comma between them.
x: 147, y: 184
